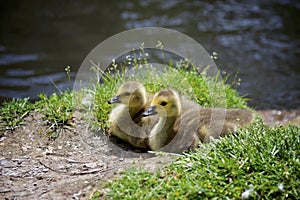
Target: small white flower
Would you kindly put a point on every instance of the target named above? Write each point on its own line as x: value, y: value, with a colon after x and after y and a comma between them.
x: 247, y: 193
x: 190, y: 164
x: 280, y: 187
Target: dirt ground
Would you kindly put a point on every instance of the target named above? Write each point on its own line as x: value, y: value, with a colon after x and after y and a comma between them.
x: 78, y: 161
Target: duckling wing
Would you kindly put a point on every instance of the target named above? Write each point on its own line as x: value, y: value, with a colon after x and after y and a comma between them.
x: 240, y: 117
x: 217, y: 122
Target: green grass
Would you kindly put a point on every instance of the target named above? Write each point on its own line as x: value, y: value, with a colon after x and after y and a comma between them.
x: 57, y: 110
x: 13, y: 112
x: 206, y: 91
x: 262, y: 160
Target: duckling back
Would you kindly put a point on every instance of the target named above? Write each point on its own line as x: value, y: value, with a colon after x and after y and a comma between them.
x: 219, y: 122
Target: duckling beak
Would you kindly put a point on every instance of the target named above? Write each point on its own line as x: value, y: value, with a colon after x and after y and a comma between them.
x: 115, y: 99
x: 149, y: 111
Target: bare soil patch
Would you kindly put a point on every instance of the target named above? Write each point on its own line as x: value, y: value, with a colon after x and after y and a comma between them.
x: 71, y: 167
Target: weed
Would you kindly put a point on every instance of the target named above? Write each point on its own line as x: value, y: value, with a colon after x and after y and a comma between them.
x: 13, y: 112
x: 57, y: 110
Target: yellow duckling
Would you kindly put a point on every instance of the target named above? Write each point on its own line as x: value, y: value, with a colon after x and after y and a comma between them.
x: 126, y: 118
x: 183, y: 123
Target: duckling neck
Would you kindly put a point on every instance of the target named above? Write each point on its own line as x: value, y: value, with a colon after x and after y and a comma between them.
x: 135, y: 111
x: 162, y: 133
x: 136, y: 107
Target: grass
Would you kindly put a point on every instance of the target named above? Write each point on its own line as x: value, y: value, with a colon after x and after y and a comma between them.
x: 206, y: 91
x: 258, y: 163
x: 57, y: 110
x: 13, y: 112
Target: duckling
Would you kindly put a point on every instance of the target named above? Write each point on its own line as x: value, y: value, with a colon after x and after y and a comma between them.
x: 126, y: 118
x: 183, y: 123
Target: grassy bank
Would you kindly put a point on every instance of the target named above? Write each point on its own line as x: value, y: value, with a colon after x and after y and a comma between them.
x: 189, y: 81
x: 258, y: 163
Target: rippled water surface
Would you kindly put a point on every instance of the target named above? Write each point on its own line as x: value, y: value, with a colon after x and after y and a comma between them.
x: 260, y: 41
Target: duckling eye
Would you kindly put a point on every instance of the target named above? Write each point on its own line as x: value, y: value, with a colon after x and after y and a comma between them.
x: 163, y: 103
x: 127, y: 93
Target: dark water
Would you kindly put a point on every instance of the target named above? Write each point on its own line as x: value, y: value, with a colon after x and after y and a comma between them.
x: 259, y: 40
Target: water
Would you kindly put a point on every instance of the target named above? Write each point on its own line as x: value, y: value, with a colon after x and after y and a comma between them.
x: 260, y: 41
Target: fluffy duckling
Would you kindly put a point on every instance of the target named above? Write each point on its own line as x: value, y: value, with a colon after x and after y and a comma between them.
x: 183, y: 123
x: 126, y: 118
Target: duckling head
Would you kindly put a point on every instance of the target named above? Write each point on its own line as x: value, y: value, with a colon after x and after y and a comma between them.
x: 165, y: 103
x: 131, y: 93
